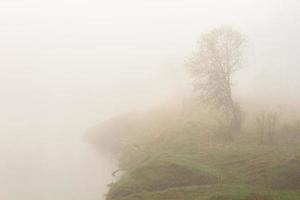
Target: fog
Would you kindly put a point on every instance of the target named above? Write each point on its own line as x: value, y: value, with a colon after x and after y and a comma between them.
x: 65, y: 66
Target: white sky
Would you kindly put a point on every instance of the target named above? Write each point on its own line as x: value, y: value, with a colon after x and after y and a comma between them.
x: 65, y: 65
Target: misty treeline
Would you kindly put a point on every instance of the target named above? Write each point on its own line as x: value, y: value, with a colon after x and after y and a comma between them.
x: 211, y: 116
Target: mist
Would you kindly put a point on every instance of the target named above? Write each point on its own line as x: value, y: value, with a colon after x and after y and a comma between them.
x: 67, y: 66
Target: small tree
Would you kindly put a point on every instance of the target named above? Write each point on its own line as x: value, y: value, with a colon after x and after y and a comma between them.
x: 212, y: 66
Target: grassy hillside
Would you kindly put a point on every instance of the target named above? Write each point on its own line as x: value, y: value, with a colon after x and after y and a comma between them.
x: 177, y: 155
x: 241, y: 172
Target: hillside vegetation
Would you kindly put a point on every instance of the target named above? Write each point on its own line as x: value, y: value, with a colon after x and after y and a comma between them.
x: 176, y: 153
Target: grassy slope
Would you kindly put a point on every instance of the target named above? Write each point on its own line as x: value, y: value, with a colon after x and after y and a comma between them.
x: 184, y: 163
x: 235, y: 172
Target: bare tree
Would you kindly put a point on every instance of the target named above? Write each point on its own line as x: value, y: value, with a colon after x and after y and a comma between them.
x: 212, y: 66
x: 267, y: 124
x: 261, y: 125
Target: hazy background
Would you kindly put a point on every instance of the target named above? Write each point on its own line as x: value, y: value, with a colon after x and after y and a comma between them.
x: 67, y: 65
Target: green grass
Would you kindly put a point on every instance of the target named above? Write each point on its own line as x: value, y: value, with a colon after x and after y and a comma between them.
x: 215, y: 192
x: 185, y: 165
x: 219, y: 172
x: 158, y: 176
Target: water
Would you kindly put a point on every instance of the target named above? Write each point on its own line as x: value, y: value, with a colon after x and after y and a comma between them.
x: 53, y: 170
